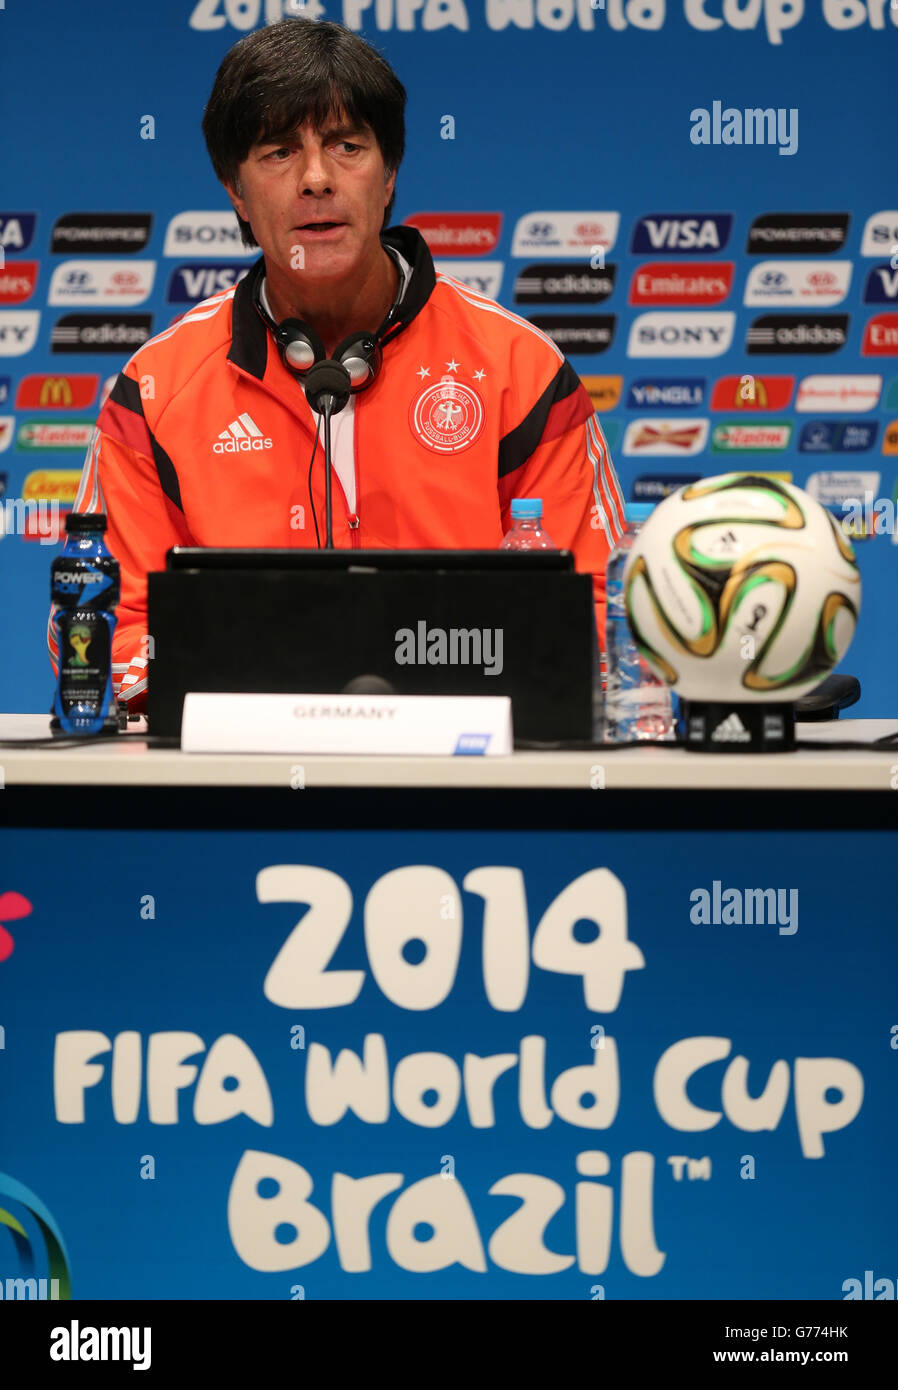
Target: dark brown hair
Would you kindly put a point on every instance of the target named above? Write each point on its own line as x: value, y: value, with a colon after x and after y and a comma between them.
x: 278, y: 77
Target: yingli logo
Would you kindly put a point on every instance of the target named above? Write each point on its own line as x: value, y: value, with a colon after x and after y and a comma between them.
x: 682, y: 283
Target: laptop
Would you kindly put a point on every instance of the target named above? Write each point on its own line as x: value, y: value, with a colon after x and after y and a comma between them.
x: 426, y: 622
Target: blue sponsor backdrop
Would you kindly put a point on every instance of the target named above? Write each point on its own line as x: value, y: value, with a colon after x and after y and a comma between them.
x: 598, y: 111
x: 756, y: 1216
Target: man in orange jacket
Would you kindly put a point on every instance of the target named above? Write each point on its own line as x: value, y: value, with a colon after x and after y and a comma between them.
x: 206, y: 438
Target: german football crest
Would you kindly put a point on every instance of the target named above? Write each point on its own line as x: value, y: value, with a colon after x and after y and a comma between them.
x: 447, y: 416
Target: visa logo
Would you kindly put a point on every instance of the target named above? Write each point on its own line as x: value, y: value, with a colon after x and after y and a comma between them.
x: 882, y: 285
x: 684, y: 392
x: 188, y: 284
x: 699, y: 232
x: 16, y: 230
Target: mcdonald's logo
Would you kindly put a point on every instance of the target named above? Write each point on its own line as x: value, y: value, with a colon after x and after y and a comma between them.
x: 68, y: 392
x: 56, y: 391
x: 751, y: 392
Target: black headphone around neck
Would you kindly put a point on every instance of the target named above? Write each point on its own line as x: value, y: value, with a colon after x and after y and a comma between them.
x: 301, y: 348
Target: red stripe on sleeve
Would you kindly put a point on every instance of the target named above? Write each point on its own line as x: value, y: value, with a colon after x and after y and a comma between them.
x: 125, y: 427
x: 565, y: 415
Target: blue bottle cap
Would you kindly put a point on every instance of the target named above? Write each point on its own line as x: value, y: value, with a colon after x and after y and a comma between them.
x: 526, y: 508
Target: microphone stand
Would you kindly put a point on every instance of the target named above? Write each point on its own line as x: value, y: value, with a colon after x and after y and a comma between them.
x: 328, y: 388
x: 327, y: 408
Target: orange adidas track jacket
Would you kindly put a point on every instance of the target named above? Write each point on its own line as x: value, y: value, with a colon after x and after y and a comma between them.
x: 206, y: 439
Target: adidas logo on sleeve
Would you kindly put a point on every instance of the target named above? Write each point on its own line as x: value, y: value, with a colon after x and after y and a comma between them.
x: 241, y: 436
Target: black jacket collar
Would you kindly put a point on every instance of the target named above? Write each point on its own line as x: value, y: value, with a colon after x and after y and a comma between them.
x: 249, y: 336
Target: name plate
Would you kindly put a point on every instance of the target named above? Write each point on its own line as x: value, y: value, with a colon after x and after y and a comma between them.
x: 444, y: 725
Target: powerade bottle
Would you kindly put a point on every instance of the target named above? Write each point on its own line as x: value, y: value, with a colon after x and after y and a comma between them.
x: 526, y: 531
x: 637, y: 704
x: 85, y: 585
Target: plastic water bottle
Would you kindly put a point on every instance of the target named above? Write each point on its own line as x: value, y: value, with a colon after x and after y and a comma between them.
x: 638, y: 705
x: 526, y: 529
x: 84, y: 589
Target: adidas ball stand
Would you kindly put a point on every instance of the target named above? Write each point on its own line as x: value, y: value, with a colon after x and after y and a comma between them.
x: 738, y: 727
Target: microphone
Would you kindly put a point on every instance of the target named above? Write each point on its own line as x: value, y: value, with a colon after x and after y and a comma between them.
x: 328, y: 388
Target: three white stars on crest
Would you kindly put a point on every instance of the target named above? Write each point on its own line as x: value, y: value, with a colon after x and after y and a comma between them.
x: 452, y: 366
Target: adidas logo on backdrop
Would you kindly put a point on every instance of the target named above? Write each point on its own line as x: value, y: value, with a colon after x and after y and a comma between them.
x: 241, y: 435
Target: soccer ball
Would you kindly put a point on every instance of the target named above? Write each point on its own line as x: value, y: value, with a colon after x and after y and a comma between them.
x: 742, y: 588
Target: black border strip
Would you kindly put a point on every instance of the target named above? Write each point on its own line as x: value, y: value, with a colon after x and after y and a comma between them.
x: 439, y: 808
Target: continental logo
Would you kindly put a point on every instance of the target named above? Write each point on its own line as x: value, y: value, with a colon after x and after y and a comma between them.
x: 52, y: 484
x: 756, y: 437
x: 44, y: 392
x: 603, y: 391
x: 890, y: 439
x: 54, y: 434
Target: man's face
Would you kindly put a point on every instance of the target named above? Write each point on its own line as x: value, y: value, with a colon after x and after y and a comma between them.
x: 335, y: 175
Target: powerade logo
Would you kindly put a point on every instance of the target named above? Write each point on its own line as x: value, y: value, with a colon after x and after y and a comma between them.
x: 583, y: 334
x: 681, y: 233
x: 837, y: 436
x: 101, y: 233
x: 16, y: 231
x: 798, y: 233
x: 77, y: 582
x: 669, y: 393
x: 189, y: 284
